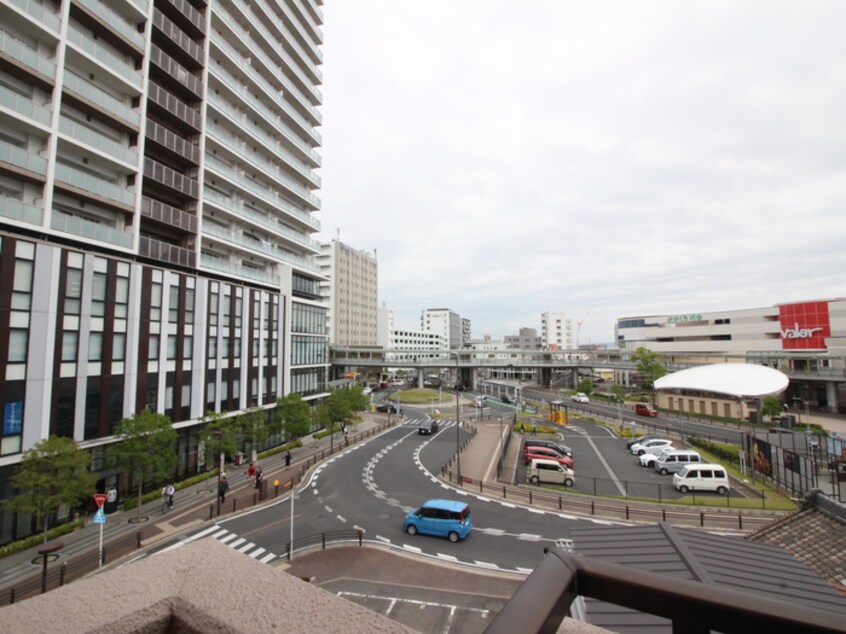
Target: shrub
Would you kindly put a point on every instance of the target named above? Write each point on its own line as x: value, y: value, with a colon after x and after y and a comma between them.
x: 36, y: 540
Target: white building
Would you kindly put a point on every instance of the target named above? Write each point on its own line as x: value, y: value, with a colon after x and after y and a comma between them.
x: 557, y: 332
x: 446, y: 323
x: 350, y: 293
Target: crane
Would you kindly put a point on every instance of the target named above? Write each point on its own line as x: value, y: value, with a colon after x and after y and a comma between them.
x: 579, y: 325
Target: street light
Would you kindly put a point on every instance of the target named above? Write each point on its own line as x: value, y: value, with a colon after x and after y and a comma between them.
x: 457, y: 419
x: 219, y: 435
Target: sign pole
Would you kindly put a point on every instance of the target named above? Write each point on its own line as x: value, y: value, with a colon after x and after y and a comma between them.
x: 100, y: 518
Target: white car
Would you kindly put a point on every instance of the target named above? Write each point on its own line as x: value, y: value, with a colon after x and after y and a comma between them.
x: 656, y: 445
x: 580, y: 397
x: 367, y: 389
x: 649, y: 458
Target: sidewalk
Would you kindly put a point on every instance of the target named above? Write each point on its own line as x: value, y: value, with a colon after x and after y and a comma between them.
x: 121, y: 524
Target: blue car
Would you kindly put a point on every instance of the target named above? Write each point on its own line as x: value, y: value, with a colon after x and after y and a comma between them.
x: 442, y: 518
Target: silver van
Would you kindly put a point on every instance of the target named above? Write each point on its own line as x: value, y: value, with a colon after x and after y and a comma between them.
x: 673, y: 461
x: 702, y: 477
x: 541, y: 470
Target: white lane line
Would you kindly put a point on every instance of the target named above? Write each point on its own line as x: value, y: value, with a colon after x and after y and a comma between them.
x: 607, y: 466
x: 202, y: 533
x: 341, y: 518
x: 447, y: 557
x: 508, y: 505
x: 246, y: 547
x: 485, y: 564
x: 538, y: 511
x: 228, y: 538
x: 413, y: 549
x: 257, y: 552
x: 530, y: 538
x: 220, y: 533
x: 327, y: 509
x: 383, y: 539
x: 528, y: 571
x: 237, y: 542
x: 267, y: 558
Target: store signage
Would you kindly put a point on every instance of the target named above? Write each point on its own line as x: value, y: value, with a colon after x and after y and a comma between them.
x: 804, y: 326
x: 674, y: 319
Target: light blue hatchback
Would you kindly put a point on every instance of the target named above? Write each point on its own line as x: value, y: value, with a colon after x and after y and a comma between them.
x: 442, y: 518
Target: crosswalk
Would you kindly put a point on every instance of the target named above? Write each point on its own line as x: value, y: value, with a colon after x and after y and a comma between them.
x: 225, y: 536
x: 415, y: 422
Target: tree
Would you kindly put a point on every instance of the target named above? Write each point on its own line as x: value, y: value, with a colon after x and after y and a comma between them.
x: 51, y: 474
x: 586, y: 386
x: 146, y: 448
x: 771, y: 406
x: 649, y: 367
x: 619, y: 392
x: 218, y: 425
x: 293, y: 415
x: 252, y: 426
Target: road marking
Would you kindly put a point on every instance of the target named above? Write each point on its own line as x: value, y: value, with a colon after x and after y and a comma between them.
x: 538, y: 511
x: 246, y: 547
x: 267, y: 558
x: 221, y: 532
x: 228, y: 538
x: 257, y: 552
x: 413, y: 549
x: 341, y: 518
x: 509, y: 505
x: 394, y: 600
x: 383, y: 539
x: 528, y: 537
x: 486, y: 564
x: 447, y: 557
x: 237, y: 542
x: 607, y: 466
x: 528, y: 571
x: 327, y: 509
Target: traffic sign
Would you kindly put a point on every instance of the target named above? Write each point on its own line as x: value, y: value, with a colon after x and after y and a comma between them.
x: 99, y: 517
x: 100, y: 499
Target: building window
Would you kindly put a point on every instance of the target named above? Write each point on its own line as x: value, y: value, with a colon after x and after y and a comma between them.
x: 70, y: 341
x: 18, y: 339
x: 95, y: 346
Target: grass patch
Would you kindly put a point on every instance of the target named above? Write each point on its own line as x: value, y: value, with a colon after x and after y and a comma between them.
x: 421, y: 396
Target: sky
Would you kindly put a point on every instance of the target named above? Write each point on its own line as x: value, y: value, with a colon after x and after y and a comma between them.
x: 602, y: 159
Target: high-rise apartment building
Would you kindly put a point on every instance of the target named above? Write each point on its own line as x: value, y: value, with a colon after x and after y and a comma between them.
x: 157, y: 199
x: 350, y: 292
x: 446, y: 323
x: 557, y: 331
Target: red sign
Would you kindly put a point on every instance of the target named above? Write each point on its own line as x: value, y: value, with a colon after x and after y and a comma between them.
x: 100, y: 499
x: 804, y: 326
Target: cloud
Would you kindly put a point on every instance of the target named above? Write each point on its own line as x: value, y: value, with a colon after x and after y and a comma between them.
x: 603, y: 159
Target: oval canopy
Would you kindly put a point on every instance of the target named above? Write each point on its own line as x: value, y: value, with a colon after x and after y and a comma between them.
x: 736, y: 379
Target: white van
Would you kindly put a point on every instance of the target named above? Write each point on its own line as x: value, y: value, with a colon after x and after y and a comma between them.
x: 702, y: 477
x: 674, y: 461
x: 542, y: 470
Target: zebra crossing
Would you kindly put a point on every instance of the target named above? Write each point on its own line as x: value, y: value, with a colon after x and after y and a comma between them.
x: 233, y: 540
x: 415, y: 422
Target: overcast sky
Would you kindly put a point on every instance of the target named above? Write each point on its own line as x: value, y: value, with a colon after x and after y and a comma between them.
x: 604, y: 159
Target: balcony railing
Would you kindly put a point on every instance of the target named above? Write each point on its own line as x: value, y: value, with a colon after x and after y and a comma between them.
x: 23, y: 106
x: 224, y: 266
x: 171, y: 216
x: 97, y: 141
x: 190, y: 15
x: 83, y: 181
x: 170, y: 178
x: 90, y: 230
x: 179, y: 37
x: 97, y: 97
x: 17, y: 210
x: 122, y: 67
x: 173, y: 142
x: 20, y: 157
x: 115, y: 21
x: 174, y: 105
x: 37, y: 11
x: 176, y: 70
x: 165, y: 252
x: 26, y: 56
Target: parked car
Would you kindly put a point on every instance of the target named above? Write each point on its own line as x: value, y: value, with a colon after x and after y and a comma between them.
x: 580, y: 397
x: 651, y: 457
x: 702, y: 477
x: 673, y: 461
x: 650, y: 446
x: 637, y: 439
x: 393, y: 408
x: 428, y: 427
x: 442, y: 518
x: 550, y: 471
x: 542, y: 442
x: 535, y: 453
x: 645, y: 410
x: 367, y: 389
x: 505, y: 399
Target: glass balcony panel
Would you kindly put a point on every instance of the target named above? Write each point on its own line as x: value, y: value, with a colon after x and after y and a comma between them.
x: 166, y: 252
x: 168, y: 215
x: 90, y: 230
x: 37, y: 11
x: 24, y: 106
x: 187, y: 10
x: 121, y: 66
x: 20, y: 157
x: 17, y: 210
x: 177, y: 35
x: 97, y: 141
x: 26, y: 56
x: 82, y: 180
x: 95, y: 95
x: 251, y: 244
x: 218, y: 264
x: 116, y: 21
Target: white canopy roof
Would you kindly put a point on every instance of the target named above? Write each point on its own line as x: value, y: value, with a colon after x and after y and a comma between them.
x: 737, y: 379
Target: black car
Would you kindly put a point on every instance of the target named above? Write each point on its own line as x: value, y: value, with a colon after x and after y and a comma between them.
x: 504, y: 398
x: 427, y: 427
x: 392, y: 408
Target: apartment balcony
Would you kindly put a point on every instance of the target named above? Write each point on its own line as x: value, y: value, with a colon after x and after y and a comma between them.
x: 21, y: 161
x: 165, y: 252
x: 308, y: 21
x: 167, y: 215
x: 268, y: 223
x: 93, y: 98
x: 308, y: 60
x: 24, y: 107
x: 84, y: 184
x: 174, y: 106
x: 176, y: 71
x: 308, y: 154
x: 255, y: 160
x: 250, y: 244
x: 182, y: 47
x: 122, y: 67
x: 90, y: 230
x: 35, y: 11
x: 26, y: 58
x: 310, y: 46
x: 172, y: 142
x: 189, y: 18
x: 268, y: 197
x: 235, y: 270
x: 91, y: 139
x: 171, y: 179
x: 114, y: 21
x: 14, y: 209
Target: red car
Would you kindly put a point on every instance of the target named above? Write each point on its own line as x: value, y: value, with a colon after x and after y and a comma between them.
x: 547, y: 454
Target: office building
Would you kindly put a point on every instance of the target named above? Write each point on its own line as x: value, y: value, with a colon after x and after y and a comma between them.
x: 350, y: 293
x: 446, y: 323
x: 527, y: 339
x: 557, y: 332
x: 157, y: 199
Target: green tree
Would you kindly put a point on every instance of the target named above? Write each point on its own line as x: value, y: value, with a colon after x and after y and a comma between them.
x: 293, y: 415
x: 647, y: 364
x: 217, y: 422
x: 51, y: 474
x: 771, y: 406
x: 619, y: 392
x: 586, y: 386
x: 146, y: 448
x: 253, y: 428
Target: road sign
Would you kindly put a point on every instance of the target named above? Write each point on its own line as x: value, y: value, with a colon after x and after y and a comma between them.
x: 99, y: 498
x: 99, y: 517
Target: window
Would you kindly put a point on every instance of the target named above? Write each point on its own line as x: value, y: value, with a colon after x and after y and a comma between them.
x: 173, y: 305
x: 70, y: 340
x: 154, y: 348
x: 156, y: 302
x: 118, y: 346
x: 171, y: 347
x: 73, y: 291
x: 95, y: 346
x: 18, y: 340
x: 122, y: 297
x: 98, y: 294
x: 22, y: 285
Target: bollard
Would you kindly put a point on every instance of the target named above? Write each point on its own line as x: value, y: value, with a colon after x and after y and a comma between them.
x: 627, y: 511
x: 702, y: 519
x: 481, y: 490
x: 62, y: 573
x: 663, y: 515
x: 530, y: 497
x: 504, y: 496
x: 289, y: 551
x: 323, y: 540
x: 12, y: 596
x: 138, y: 539
x: 559, y: 502
x: 740, y: 521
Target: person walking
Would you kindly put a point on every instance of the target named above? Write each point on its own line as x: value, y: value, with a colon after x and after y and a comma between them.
x: 288, y: 458
x: 222, y: 488
x: 251, y: 471
x: 258, y: 478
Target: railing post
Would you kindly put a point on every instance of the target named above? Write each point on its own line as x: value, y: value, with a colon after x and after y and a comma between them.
x: 62, y: 573
x: 323, y: 540
x: 290, y: 547
x: 739, y: 520
x: 559, y: 502
x: 702, y: 519
x: 530, y: 497
x: 663, y: 515
x: 12, y: 595
x: 592, y: 507
x: 138, y: 539
x: 627, y: 511
x: 504, y: 495
x: 104, y: 555
x: 481, y: 490
x: 360, y: 533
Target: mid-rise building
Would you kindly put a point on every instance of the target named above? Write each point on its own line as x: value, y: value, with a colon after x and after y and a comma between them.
x: 157, y: 199
x: 350, y: 292
x: 527, y: 339
x: 446, y: 323
x: 557, y: 332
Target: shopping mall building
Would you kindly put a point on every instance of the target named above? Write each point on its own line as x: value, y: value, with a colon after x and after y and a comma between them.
x: 805, y: 340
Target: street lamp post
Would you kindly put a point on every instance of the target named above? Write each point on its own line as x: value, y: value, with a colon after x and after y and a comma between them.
x: 219, y: 435
x: 457, y: 419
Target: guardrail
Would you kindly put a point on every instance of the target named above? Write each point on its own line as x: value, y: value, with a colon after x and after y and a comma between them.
x: 619, y: 510
x: 310, y: 542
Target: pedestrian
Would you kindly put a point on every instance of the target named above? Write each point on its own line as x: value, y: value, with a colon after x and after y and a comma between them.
x: 258, y: 478
x: 347, y: 437
x: 534, y: 429
x: 288, y: 458
x: 222, y: 488
x: 251, y: 471
x: 170, y: 491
